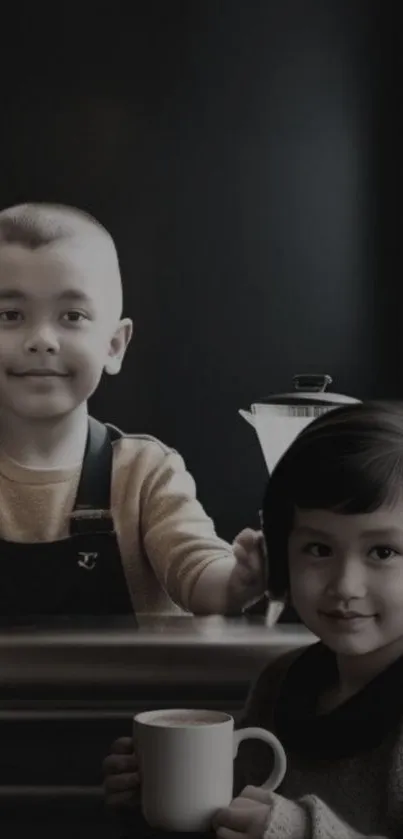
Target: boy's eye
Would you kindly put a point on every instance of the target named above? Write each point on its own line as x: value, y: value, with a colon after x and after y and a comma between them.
x: 74, y: 317
x: 383, y: 552
x: 10, y: 315
x: 317, y: 549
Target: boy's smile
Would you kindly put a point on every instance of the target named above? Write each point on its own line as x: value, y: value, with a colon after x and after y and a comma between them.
x: 59, y: 329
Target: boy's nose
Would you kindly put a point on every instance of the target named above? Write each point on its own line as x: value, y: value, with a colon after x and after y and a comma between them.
x: 42, y: 340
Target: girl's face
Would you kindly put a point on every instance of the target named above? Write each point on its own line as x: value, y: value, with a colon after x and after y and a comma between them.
x: 346, y: 578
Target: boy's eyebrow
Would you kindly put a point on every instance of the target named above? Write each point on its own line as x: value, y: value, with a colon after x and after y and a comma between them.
x: 68, y: 294
x: 74, y: 294
x: 12, y: 294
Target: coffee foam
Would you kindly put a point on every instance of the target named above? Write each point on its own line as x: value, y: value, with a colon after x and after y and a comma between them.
x: 189, y: 718
x: 173, y: 720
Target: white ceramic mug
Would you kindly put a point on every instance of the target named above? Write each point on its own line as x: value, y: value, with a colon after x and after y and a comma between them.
x: 186, y: 765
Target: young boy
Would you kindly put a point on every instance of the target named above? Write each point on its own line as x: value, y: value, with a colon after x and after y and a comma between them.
x: 92, y: 521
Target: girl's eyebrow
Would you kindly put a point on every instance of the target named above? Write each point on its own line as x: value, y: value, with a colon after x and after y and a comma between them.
x: 391, y: 532
x: 305, y: 530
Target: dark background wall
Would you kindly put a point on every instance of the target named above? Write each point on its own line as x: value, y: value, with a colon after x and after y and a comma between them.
x: 239, y: 153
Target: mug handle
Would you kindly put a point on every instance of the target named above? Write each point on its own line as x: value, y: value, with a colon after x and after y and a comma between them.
x: 280, y: 761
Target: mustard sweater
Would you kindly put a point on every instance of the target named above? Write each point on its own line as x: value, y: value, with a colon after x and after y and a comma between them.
x: 165, y: 537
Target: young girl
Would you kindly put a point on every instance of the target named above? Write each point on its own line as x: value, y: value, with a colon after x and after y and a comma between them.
x: 333, y: 525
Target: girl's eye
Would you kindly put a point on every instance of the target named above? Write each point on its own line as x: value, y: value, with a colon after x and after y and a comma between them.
x: 383, y: 552
x: 317, y: 549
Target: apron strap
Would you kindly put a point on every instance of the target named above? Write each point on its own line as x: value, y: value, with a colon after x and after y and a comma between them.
x: 91, y: 511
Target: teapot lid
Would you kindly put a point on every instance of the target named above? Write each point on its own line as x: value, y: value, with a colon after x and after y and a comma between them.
x: 309, y: 389
x: 278, y: 419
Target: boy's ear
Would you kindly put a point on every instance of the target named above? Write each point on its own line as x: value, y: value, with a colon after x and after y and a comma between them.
x: 118, y: 346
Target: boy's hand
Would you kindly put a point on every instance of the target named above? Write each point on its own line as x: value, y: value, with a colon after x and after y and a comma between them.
x: 246, y: 817
x: 121, y: 775
x: 247, y: 582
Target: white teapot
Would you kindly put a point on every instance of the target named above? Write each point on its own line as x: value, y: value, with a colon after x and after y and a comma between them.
x: 279, y: 418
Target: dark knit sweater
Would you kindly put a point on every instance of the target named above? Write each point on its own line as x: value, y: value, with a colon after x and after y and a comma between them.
x: 345, y: 768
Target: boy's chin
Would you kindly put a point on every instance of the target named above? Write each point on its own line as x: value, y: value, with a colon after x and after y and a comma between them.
x: 30, y: 412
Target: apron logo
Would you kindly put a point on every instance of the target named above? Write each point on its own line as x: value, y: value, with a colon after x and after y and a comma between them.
x: 89, y: 560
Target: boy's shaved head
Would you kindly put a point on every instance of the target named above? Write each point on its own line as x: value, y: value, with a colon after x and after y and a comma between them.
x: 61, y: 291
x: 35, y: 225
x: 69, y: 230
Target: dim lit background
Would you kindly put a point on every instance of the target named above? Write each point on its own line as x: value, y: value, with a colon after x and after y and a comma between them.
x: 246, y: 156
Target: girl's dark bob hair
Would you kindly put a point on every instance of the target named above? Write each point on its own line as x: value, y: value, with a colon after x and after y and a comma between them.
x: 349, y: 460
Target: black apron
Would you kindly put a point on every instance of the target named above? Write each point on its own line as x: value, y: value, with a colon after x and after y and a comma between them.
x: 82, y: 574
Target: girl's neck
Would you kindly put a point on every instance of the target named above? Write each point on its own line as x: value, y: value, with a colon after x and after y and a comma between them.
x: 356, y: 671
x: 45, y: 444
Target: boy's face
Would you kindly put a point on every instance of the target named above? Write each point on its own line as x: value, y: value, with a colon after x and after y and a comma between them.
x: 346, y: 577
x: 59, y: 329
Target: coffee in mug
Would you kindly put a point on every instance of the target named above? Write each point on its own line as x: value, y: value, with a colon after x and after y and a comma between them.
x: 186, y: 765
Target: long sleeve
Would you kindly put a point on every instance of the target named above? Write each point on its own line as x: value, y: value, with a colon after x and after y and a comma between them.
x: 179, y: 537
x: 309, y: 818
